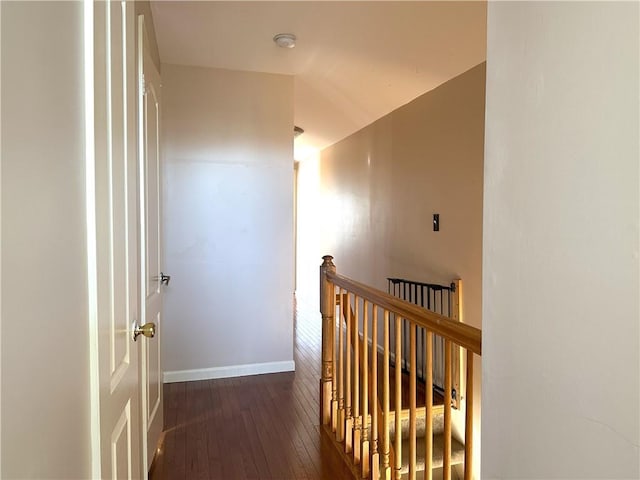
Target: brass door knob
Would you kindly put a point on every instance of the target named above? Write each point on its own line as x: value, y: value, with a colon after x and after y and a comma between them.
x: 148, y: 330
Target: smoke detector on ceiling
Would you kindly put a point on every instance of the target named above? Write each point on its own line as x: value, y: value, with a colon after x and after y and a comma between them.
x: 285, y: 40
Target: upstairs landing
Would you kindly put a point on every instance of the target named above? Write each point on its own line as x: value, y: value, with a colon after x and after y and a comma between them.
x: 262, y: 427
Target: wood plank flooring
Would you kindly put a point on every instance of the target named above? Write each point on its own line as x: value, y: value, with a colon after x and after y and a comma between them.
x: 257, y: 427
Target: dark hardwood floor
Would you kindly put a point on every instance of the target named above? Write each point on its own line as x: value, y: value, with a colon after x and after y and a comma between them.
x: 257, y: 427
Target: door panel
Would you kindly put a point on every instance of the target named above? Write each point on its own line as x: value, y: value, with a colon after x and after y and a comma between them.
x: 121, y: 461
x: 116, y: 240
x: 151, y: 246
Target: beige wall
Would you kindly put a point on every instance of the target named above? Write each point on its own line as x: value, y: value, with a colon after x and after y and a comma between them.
x: 228, y: 222
x: 383, y: 184
x: 561, y: 391
x: 45, y: 349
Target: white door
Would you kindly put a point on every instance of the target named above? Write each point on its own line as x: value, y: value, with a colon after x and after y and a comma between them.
x: 152, y: 277
x: 112, y: 216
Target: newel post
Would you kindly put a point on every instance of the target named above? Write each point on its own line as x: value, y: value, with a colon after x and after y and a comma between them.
x: 327, y: 309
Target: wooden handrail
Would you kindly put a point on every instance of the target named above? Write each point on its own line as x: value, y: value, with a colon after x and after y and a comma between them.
x: 464, y: 335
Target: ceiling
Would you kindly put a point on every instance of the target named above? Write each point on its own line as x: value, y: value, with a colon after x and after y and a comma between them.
x: 353, y: 63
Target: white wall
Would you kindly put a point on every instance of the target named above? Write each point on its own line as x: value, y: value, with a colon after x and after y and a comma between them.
x: 228, y: 222
x: 561, y: 216
x: 45, y: 372
x: 309, y: 253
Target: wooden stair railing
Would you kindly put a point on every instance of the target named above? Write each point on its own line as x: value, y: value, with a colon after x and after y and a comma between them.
x: 380, y: 418
x: 347, y: 387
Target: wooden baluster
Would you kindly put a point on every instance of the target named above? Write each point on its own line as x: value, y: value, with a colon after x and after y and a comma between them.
x: 327, y: 308
x: 386, y: 444
x: 334, y: 363
x: 364, y: 461
x: 398, y: 402
x: 375, y: 457
x: 357, y: 418
x: 428, y: 426
x: 446, y: 466
x: 468, y: 424
x: 341, y: 415
x: 412, y: 401
x: 348, y: 436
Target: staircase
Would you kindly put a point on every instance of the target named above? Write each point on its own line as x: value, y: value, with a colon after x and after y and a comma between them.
x: 457, y: 448
x: 386, y: 425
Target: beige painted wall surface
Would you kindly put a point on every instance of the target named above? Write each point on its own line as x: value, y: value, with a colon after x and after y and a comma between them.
x: 383, y: 184
x: 561, y: 393
x: 45, y: 369
x: 228, y: 218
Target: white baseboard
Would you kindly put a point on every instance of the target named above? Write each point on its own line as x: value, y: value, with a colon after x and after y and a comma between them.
x: 228, y: 371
